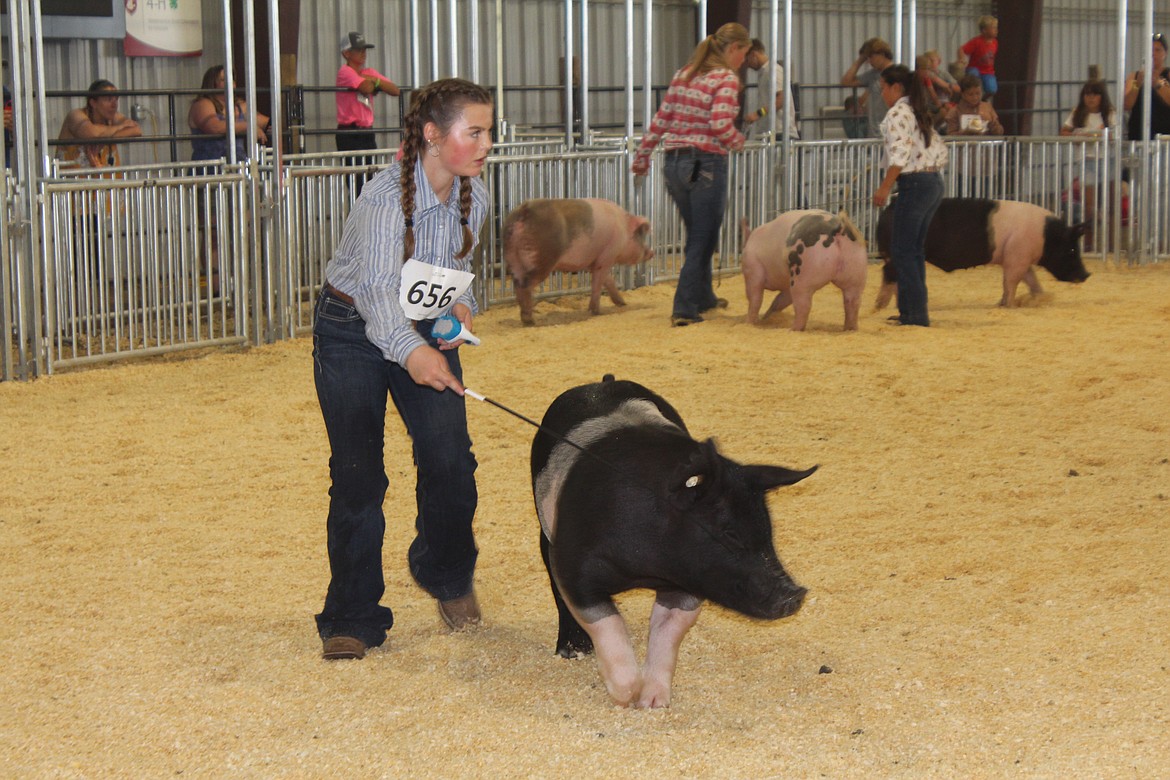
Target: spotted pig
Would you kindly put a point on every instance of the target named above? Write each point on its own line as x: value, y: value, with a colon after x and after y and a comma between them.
x: 798, y: 253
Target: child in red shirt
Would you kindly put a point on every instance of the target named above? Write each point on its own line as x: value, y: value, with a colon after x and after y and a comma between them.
x: 979, y: 54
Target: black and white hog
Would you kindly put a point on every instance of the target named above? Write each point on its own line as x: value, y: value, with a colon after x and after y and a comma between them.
x: 634, y: 502
x: 968, y: 232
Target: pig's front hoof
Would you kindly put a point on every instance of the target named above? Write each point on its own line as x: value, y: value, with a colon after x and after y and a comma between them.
x: 1032, y: 300
x: 623, y: 684
x: 573, y: 642
x: 575, y: 652
x: 654, y: 697
x: 624, y: 695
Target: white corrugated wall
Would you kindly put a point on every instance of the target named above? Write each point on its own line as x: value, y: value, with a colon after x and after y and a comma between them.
x: 826, y: 34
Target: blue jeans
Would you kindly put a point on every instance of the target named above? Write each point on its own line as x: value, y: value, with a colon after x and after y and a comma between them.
x: 990, y: 82
x: 353, y: 380
x: 697, y: 183
x: 918, y: 197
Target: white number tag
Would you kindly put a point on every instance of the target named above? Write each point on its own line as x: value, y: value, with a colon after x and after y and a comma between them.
x: 428, y: 291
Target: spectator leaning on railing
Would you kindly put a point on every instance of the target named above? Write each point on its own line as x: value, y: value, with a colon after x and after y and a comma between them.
x: 972, y: 115
x: 355, y: 110
x: 208, y: 115
x: 96, y: 126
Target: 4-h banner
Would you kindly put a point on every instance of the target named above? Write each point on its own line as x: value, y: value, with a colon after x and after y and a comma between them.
x: 164, y: 28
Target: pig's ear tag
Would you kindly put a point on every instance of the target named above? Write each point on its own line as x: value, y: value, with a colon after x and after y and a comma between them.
x: 694, y: 481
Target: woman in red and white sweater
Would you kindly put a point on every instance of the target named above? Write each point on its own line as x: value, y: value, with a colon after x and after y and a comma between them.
x: 696, y: 126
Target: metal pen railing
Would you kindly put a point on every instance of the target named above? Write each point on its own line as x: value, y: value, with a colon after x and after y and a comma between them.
x: 142, y: 260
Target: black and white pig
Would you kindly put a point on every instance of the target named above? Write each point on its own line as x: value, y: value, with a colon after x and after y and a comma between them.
x: 967, y: 232
x: 634, y: 502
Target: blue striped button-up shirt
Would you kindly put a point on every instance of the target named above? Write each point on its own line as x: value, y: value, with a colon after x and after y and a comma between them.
x: 367, y: 265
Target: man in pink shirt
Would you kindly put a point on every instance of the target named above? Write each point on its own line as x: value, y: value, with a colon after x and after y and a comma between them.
x: 355, y: 111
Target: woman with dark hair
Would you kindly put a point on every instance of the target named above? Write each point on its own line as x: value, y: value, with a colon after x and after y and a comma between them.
x: 208, y: 116
x: 1094, y: 112
x: 696, y: 125
x: 915, y: 155
x: 97, y: 127
x: 1093, y: 115
x: 1159, y: 99
x: 403, y: 261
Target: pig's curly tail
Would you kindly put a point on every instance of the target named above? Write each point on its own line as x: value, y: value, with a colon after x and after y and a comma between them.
x: 441, y: 102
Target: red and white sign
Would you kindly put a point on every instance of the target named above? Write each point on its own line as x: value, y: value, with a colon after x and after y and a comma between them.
x: 164, y: 28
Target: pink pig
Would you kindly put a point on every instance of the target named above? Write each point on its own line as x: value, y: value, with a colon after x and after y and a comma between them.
x: 798, y: 253
x: 564, y: 234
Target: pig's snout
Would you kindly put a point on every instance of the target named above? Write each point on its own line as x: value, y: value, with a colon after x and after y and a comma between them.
x: 779, y: 599
x: 788, y: 602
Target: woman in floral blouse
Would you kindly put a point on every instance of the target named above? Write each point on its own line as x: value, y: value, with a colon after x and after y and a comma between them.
x: 915, y: 155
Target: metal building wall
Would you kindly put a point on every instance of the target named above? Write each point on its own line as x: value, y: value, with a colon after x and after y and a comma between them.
x: 826, y: 34
x: 1075, y: 34
x: 1080, y: 33
x: 534, y: 43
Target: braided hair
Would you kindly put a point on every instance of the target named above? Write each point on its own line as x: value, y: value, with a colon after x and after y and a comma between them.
x: 441, y: 102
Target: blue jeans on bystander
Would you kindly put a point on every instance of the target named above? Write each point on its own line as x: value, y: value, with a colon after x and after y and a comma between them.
x: 353, y: 381
x: 697, y: 183
x: 918, y: 197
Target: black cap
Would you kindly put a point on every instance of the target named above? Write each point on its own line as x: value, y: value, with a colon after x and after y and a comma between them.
x: 354, y: 40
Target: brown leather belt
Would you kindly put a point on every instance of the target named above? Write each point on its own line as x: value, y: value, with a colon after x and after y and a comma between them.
x: 338, y: 294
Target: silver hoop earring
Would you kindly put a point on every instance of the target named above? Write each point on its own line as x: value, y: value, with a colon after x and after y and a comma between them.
x: 432, y: 149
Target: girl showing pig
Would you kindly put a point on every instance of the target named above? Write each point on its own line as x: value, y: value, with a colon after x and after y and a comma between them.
x: 403, y: 262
